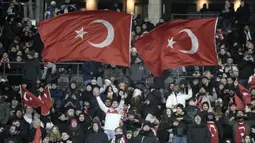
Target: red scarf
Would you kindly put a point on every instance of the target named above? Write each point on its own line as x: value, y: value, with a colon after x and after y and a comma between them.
x: 199, y: 101
x: 214, y: 131
x: 122, y: 140
x: 241, y: 130
x: 86, y: 109
x: 5, y: 60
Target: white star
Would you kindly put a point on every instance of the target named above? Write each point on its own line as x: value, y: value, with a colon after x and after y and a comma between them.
x: 171, y: 43
x: 80, y: 33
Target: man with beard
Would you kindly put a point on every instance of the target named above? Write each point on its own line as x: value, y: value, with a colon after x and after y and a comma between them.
x: 146, y: 135
x: 198, y: 131
x: 240, y: 127
x: 13, y: 135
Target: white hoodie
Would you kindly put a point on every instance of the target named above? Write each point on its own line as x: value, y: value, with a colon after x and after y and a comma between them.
x: 180, y: 98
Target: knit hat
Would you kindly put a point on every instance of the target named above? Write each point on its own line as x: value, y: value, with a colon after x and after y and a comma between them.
x: 129, y: 132
x: 137, y: 92
x: 146, y: 123
x: 180, y: 106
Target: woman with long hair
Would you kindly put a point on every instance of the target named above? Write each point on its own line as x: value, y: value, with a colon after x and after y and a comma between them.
x: 165, y: 129
x: 55, y: 135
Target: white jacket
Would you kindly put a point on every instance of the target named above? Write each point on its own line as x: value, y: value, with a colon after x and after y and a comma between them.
x: 180, y: 98
x: 113, y: 116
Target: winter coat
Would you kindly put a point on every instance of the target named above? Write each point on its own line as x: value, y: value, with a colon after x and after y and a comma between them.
x: 180, y: 98
x: 144, y: 137
x: 198, y: 134
x: 32, y: 70
x: 182, y: 128
x: 138, y: 72
x: 76, y: 134
x: 97, y: 137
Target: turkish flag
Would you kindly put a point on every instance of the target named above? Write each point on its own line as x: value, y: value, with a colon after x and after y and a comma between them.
x: 179, y: 43
x: 28, y: 98
x: 245, y: 94
x: 38, y: 135
x: 46, y: 98
x: 102, y: 36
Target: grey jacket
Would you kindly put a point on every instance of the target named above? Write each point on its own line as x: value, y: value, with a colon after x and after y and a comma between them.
x: 138, y: 72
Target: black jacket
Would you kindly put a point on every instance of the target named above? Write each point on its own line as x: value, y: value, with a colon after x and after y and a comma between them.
x: 198, y: 134
x: 182, y: 128
x: 76, y: 134
x: 31, y: 70
x: 99, y: 137
x: 144, y: 137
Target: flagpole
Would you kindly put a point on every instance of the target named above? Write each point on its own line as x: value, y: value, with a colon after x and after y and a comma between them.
x: 131, y: 22
x: 215, y: 29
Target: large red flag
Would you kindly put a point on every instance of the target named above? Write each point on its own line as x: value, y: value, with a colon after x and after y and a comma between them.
x: 38, y: 135
x: 245, y: 94
x: 28, y: 98
x: 179, y: 43
x: 46, y: 98
x: 101, y: 35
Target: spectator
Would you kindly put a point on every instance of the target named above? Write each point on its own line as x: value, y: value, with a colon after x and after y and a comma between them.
x: 204, y: 8
x: 176, y: 97
x: 119, y: 137
x: 67, y: 7
x: 75, y: 131
x: 31, y: 72
x: 180, y: 124
x: 198, y: 132
x: 243, y: 14
x: 146, y: 135
x: 161, y: 21
x: 113, y: 115
x: 52, y: 10
x: 96, y: 134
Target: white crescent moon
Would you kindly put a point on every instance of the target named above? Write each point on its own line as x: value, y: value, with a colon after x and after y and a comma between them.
x: 194, y: 42
x: 110, y: 34
x: 25, y: 96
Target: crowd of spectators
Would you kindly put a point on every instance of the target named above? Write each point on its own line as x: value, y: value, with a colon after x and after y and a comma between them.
x: 115, y: 104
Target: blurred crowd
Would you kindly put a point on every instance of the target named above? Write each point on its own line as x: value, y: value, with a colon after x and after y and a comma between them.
x: 116, y: 104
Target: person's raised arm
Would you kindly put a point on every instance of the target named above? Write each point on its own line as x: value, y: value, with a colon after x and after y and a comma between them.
x: 190, y: 93
x: 101, y: 104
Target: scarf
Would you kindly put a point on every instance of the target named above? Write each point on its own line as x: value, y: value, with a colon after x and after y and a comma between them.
x: 119, y: 138
x: 241, y: 130
x: 86, y: 110
x: 124, y: 115
x: 248, y: 35
x: 214, y: 131
x: 5, y: 60
x: 199, y: 101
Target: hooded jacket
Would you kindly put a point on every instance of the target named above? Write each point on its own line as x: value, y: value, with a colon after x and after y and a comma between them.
x: 198, y: 133
x: 146, y: 137
x: 97, y: 137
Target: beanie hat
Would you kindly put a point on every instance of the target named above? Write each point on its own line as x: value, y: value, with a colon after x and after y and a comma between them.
x: 180, y: 106
x: 147, y: 123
